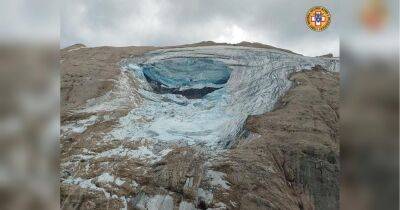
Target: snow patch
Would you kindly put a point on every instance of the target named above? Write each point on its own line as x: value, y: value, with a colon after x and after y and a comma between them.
x: 141, y: 152
x: 216, y: 179
x: 186, y: 206
x: 108, y: 178
x: 165, y: 152
x: 123, y: 95
x: 105, y: 177
x: 87, y: 184
x: 204, y: 195
x: 79, y: 126
x: 160, y: 202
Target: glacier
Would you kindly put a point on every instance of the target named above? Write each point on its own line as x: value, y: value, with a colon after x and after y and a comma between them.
x: 203, y: 95
x: 191, y: 77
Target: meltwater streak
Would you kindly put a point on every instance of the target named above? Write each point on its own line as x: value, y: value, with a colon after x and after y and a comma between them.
x: 258, y: 77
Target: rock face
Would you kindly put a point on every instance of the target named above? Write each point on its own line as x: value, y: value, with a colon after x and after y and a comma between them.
x: 206, y: 126
x: 298, y: 146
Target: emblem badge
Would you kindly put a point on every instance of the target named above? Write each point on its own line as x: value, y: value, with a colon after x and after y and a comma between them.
x: 318, y: 18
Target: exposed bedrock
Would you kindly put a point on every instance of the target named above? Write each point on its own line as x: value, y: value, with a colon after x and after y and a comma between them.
x: 301, y: 136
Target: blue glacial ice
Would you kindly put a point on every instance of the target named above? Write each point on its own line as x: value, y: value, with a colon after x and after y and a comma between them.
x: 190, y: 77
x: 243, y: 81
x: 186, y: 73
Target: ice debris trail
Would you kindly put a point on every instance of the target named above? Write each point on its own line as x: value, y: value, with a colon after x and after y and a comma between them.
x: 203, y: 95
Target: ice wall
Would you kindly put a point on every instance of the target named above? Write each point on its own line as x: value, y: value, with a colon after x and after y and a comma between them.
x: 190, y: 77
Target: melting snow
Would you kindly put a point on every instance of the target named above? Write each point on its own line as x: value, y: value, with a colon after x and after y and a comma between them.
x: 160, y: 202
x: 122, y: 96
x: 108, y: 178
x: 217, y: 179
x: 141, y: 152
x: 79, y: 126
x: 165, y: 152
x: 205, y: 195
x: 186, y: 206
x: 87, y: 184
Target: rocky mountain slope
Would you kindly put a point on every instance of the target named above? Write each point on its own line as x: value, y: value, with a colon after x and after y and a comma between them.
x: 203, y: 126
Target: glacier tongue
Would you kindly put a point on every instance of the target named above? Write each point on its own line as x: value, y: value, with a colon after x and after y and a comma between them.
x: 246, y: 81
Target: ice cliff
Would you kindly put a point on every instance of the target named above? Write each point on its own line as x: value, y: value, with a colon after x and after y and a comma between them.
x: 191, y: 77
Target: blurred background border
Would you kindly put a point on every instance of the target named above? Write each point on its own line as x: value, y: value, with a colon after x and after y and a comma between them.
x: 29, y: 104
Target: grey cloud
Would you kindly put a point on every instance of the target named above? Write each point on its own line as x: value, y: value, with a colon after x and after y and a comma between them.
x: 29, y: 20
x: 170, y: 22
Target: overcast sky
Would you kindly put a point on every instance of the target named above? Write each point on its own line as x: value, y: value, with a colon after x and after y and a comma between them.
x: 280, y: 23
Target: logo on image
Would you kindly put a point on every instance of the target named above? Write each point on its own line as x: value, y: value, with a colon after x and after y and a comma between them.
x: 318, y: 18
